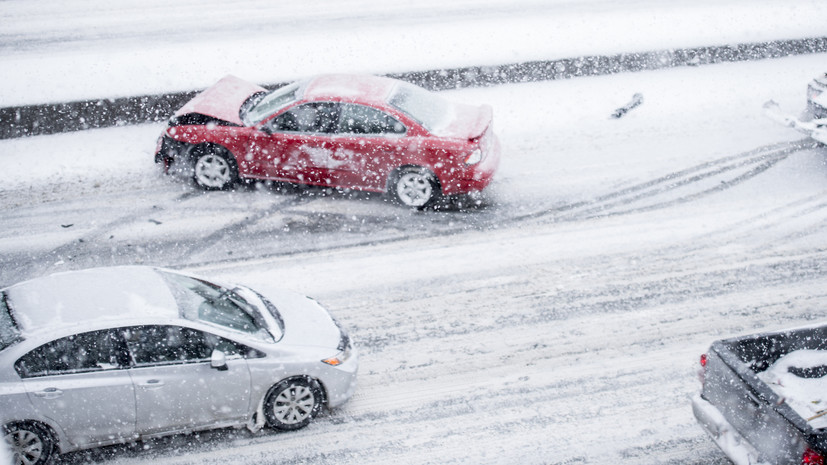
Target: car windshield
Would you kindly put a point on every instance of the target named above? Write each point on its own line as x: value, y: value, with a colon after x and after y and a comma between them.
x: 271, y: 103
x: 430, y: 110
x: 206, y: 302
x: 9, y: 334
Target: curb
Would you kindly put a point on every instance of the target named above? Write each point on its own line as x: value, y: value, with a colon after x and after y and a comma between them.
x: 31, y: 120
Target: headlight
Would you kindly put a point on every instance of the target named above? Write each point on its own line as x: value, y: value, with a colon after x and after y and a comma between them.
x: 474, y: 158
x: 344, y: 351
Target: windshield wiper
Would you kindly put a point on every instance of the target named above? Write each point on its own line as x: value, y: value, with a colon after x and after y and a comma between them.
x: 226, y: 292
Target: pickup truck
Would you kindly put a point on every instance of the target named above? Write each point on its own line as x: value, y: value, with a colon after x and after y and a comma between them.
x: 764, y: 397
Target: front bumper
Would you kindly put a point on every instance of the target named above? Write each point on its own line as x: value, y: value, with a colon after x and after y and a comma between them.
x: 731, y: 442
x: 340, y: 380
x: 169, y: 149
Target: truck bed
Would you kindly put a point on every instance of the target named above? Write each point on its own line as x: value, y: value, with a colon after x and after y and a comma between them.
x: 751, y: 420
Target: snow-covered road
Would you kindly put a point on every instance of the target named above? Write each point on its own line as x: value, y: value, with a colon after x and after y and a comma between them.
x: 556, y: 319
x: 560, y: 321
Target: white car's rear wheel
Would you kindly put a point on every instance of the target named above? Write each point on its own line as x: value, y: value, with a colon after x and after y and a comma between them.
x: 29, y: 443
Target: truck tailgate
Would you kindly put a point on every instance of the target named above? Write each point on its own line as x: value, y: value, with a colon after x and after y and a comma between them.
x: 745, y: 414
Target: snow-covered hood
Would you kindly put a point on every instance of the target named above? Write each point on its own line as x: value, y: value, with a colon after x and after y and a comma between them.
x: 468, y: 121
x: 306, y: 323
x: 223, y: 100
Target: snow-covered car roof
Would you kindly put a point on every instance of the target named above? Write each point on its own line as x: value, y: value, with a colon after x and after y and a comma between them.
x: 93, y: 295
x: 353, y: 87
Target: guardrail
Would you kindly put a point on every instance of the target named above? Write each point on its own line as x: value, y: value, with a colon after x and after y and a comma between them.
x: 30, y: 120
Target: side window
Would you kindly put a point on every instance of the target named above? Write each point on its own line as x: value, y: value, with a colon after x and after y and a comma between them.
x: 80, y: 353
x: 314, y: 117
x: 162, y: 345
x: 225, y: 345
x: 361, y: 119
x: 165, y: 345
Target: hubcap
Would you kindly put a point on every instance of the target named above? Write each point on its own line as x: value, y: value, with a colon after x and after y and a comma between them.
x: 212, y: 171
x: 26, y: 447
x: 294, y: 404
x: 414, y: 189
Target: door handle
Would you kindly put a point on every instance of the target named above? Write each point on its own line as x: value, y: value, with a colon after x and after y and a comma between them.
x: 49, y: 393
x: 152, y: 384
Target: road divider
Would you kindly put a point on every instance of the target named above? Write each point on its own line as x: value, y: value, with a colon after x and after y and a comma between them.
x: 51, y: 118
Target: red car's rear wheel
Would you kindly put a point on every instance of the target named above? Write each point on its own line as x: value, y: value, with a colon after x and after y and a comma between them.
x: 414, y: 187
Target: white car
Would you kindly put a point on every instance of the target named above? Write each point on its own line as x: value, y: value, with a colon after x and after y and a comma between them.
x: 813, y: 122
x: 817, y: 97
x: 113, y: 355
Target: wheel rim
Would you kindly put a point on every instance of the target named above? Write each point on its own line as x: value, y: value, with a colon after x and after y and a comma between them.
x: 26, y: 446
x: 294, y: 404
x: 212, y: 171
x: 414, y: 189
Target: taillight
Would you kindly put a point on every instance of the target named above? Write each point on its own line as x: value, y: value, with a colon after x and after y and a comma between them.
x: 811, y: 457
x: 702, y: 371
x: 474, y: 158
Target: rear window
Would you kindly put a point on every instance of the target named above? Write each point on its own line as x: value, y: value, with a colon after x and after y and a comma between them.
x: 9, y: 333
x: 430, y: 110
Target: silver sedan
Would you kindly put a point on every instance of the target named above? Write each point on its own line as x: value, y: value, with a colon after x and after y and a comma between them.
x: 113, y: 355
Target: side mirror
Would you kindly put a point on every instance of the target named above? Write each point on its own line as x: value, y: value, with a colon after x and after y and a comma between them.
x: 218, y: 360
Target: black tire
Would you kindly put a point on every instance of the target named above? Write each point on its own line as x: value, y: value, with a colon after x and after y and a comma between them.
x: 293, y: 403
x: 29, y: 443
x: 214, y: 168
x: 414, y: 187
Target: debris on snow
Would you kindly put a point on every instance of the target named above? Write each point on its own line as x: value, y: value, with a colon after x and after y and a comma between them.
x: 637, y: 99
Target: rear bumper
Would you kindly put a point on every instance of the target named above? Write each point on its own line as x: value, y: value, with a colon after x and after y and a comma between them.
x: 735, y: 446
x: 476, y: 177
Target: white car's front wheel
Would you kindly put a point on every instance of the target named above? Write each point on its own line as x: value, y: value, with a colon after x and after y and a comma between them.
x: 292, y: 403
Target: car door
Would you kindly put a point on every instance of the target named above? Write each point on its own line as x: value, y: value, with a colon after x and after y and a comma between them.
x: 295, y: 145
x: 176, y: 388
x: 82, y: 383
x: 369, y: 143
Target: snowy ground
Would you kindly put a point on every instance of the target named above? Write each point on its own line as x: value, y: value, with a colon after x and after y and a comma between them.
x: 559, y: 321
x: 59, y: 50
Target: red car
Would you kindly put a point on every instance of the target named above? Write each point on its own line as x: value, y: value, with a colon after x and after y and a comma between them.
x: 347, y: 131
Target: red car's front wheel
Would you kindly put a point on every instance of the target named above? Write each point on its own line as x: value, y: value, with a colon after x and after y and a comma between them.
x: 214, y: 170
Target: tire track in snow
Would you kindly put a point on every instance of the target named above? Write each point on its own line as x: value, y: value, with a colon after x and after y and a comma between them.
x: 810, y: 213
x: 101, y: 245
x: 229, y: 233
x: 741, y: 168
